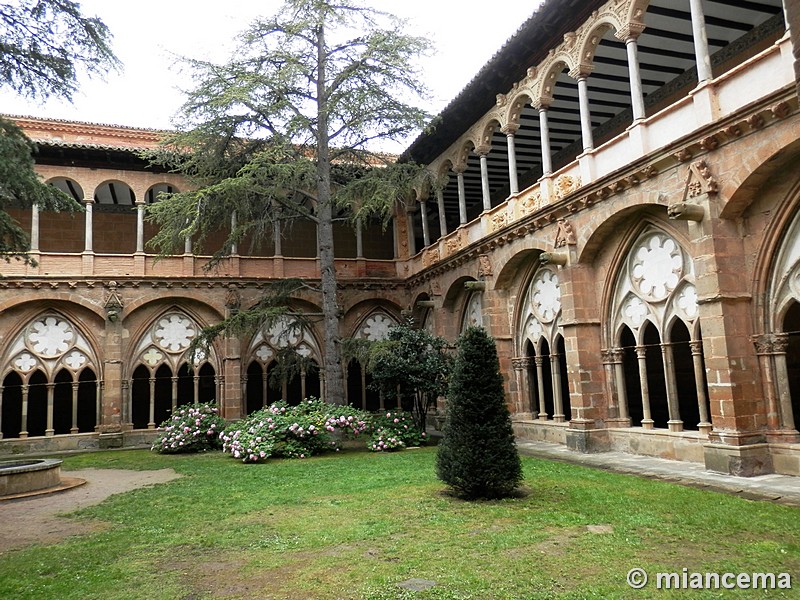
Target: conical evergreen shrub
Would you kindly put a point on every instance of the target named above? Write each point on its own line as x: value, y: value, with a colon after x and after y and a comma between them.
x: 477, y: 456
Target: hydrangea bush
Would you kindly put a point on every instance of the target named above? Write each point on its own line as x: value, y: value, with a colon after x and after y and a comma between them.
x: 394, y: 431
x: 292, y: 431
x: 194, y: 428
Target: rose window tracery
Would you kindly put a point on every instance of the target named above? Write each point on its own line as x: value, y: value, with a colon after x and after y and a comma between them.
x: 546, y: 298
x: 50, y: 337
x: 657, y: 267
x: 174, y: 333
x: 687, y: 301
x: 25, y: 362
x: 635, y: 310
x: 376, y: 327
x: 283, y: 333
x: 75, y: 360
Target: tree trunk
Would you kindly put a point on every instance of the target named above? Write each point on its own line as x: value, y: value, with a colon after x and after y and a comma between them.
x: 332, y: 361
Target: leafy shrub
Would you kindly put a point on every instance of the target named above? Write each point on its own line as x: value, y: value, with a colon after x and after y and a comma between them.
x: 394, y: 431
x: 292, y: 431
x: 192, y: 428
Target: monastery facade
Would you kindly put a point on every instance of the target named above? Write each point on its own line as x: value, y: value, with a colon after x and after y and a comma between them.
x: 620, y: 209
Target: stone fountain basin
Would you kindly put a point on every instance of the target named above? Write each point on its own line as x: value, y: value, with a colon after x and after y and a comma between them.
x: 29, y: 475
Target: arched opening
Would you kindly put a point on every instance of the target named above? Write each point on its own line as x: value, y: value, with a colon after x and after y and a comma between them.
x: 791, y: 326
x: 62, y: 402
x: 37, y: 404
x: 87, y: 401
x: 11, y: 414
x: 630, y: 365
x: 185, y: 386
x: 533, y: 379
x: 163, y: 395
x: 359, y: 388
x: 684, y: 376
x: 140, y: 397
x: 656, y: 385
x: 255, y: 388
x: 561, y: 352
x: 206, y: 384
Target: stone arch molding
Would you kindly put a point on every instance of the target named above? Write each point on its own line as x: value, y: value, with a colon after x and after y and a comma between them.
x: 540, y: 314
x: 283, y: 333
x: 166, y: 341
x: 655, y: 284
x: 784, y: 286
x: 50, y: 343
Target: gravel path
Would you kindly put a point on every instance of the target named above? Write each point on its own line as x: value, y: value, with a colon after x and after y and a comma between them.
x: 36, y: 519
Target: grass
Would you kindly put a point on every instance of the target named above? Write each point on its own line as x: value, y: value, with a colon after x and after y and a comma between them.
x: 354, y: 524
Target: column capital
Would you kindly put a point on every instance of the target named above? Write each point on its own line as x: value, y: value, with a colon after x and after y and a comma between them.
x: 520, y: 363
x: 630, y: 32
x: 510, y: 128
x: 483, y: 149
x: 641, y: 351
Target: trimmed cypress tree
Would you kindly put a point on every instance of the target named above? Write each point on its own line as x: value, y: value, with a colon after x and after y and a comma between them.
x: 477, y: 456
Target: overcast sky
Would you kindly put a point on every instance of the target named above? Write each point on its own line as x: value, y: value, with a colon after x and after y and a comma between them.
x: 146, y: 32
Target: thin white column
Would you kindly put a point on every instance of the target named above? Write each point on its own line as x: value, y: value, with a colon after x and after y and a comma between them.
x: 780, y: 345
x: 544, y: 134
x: 35, y: 227
x: 412, y: 238
x: 442, y: 213
x: 139, y: 226
x: 647, y: 419
x: 699, y: 371
x: 674, y: 423
x: 637, y: 95
x: 487, y: 194
x: 276, y: 234
x: 23, y: 432
x: 187, y: 245
x: 558, y: 401
x: 174, y: 393
x: 539, y: 360
x: 51, y: 388
x: 87, y: 244
x: 74, y: 428
x: 586, y: 115
x: 462, y: 198
x: 700, y: 41
x: 510, y: 130
x: 234, y: 223
x: 426, y: 236
x: 359, y: 239
x: 196, y: 388
x: 152, y: 423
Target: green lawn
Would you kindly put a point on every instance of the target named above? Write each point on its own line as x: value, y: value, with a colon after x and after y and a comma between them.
x: 354, y: 524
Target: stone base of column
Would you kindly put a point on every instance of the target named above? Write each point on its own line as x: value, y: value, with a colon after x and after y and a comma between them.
x: 559, y: 418
x: 587, y: 441
x: 87, y: 263
x: 742, y: 461
x: 542, y: 417
x: 618, y: 422
x: 139, y: 263
x: 49, y: 432
x: 675, y: 426
x: 648, y: 424
x: 705, y: 428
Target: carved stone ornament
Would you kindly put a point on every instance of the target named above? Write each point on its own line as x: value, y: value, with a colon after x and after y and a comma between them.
x: 699, y: 181
x: 531, y: 202
x: 499, y: 221
x: 566, y: 184
x: 430, y: 257
x: 565, y: 235
x: 484, y: 266
x: 233, y: 299
x: 453, y: 243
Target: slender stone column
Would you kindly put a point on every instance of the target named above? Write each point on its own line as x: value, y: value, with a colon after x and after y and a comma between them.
x: 87, y: 237
x: 265, y: 388
x: 700, y: 41
x: 127, y: 406
x: 483, y: 152
x: 174, y: 393
x: 426, y: 236
x: 780, y: 345
x: 765, y: 350
x: 98, y: 403
x: 234, y: 223
x: 647, y: 420
x: 23, y: 431
x: 699, y: 371
x: 412, y: 238
x: 619, y: 378
x: 187, y: 245
x: 363, y: 388
x: 1, y: 412
x: 675, y: 423
x: 558, y: 401
x: 302, y: 384
x: 74, y: 428
x: 462, y: 198
x: 442, y: 213
x: 544, y: 135
x: 539, y: 360
x: 524, y: 406
x: 51, y: 388
x: 513, y: 182
x: 276, y: 238
x: 152, y: 422
x: 359, y: 239
x: 586, y: 115
x: 196, y: 388
x: 35, y: 227
x: 637, y: 95
x: 140, y: 226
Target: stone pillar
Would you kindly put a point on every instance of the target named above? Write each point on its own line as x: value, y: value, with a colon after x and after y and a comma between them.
x: 140, y: 226
x: 412, y: 238
x: 616, y: 373
x: 234, y: 224
x: 704, y: 426
x: 74, y: 428
x: 442, y: 213
x: 359, y: 239
x: 637, y: 95
x: 174, y: 393
x: 675, y: 423
x: 765, y: 350
x: 510, y: 130
x: 51, y: 388
x: 586, y: 115
x: 539, y: 360
x: 1, y: 412
x: 524, y: 408
x: 558, y: 400
x: 23, y: 426
x: 231, y: 403
x: 87, y: 235
x: 426, y: 236
x: 641, y: 356
x: 115, y: 410
x: 151, y: 424
x: 544, y: 134
x: 35, y: 227
x: 779, y: 345
x: 702, y: 56
x: 482, y: 152
x: 462, y: 197
x: 276, y: 238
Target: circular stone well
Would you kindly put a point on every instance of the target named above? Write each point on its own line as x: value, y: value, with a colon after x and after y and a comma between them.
x: 23, y: 476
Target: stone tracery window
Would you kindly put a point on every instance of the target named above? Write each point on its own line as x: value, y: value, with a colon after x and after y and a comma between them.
x: 374, y: 327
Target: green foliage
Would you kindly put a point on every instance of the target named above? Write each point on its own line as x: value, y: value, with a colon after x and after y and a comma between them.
x: 412, y: 363
x: 21, y: 187
x: 301, y: 431
x: 45, y: 44
x: 394, y: 431
x: 194, y: 428
x: 477, y: 456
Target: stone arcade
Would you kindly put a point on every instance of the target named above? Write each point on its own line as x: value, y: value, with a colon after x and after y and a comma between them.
x: 621, y: 211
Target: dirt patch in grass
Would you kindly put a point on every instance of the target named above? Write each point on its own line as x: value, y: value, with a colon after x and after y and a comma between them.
x: 39, y: 519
